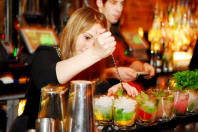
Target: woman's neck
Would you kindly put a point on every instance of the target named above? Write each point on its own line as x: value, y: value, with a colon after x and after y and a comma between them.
x: 108, y: 25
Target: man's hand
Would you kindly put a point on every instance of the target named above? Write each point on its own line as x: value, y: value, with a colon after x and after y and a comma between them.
x: 143, y: 67
x: 148, y: 69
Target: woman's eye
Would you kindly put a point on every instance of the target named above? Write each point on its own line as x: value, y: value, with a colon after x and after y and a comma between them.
x: 87, y: 37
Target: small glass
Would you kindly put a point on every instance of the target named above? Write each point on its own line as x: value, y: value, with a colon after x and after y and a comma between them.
x: 181, y: 102
x: 192, y: 101
x: 146, y: 110
x: 103, y: 109
x: 53, y: 106
x: 165, y: 110
x: 196, y: 104
x: 53, y: 103
x: 124, y: 112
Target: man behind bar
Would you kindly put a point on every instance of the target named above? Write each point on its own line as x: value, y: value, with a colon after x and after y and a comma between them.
x: 112, y: 9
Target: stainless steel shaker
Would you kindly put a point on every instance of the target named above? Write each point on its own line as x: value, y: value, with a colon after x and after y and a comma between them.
x: 45, y: 125
x: 79, y: 107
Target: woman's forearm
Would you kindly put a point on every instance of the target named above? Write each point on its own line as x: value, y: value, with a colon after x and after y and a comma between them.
x: 67, y: 69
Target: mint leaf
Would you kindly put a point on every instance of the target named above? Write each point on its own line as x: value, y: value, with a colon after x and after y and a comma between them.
x: 149, y: 109
x: 142, y: 98
x: 107, y: 116
x: 186, y: 80
x: 123, y: 116
x: 120, y: 92
x: 119, y: 111
x: 191, y: 107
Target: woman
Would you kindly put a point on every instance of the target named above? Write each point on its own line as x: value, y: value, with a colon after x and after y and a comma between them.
x: 84, y: 43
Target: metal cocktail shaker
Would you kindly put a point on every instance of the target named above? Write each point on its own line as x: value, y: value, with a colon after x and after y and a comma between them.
x: 45, y: 125
x: 79, y: 107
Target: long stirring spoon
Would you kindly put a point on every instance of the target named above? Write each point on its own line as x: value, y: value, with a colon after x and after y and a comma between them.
x: 116, y: 67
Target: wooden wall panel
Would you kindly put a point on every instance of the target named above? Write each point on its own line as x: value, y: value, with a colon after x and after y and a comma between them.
x: 137, y: 13
x: 2, y: 16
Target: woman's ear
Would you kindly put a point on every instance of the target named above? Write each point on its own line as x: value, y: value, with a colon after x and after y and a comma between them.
x: 99, y: 4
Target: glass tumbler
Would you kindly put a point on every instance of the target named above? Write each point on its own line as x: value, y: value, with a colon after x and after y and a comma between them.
x: 103, y: 109
x: 192, y: 101
x: 165, y: 110
x: 53, y: 106
x: 181, y: 102
x: 146, y: 110
x: 124, y: 112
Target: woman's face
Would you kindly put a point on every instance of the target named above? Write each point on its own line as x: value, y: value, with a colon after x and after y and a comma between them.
x: 86, y: 39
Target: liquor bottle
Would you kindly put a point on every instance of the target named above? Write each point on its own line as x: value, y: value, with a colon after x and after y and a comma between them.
x: 158, y: 62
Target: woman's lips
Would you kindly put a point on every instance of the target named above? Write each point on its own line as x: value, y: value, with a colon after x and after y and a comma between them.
x: 116, y: 16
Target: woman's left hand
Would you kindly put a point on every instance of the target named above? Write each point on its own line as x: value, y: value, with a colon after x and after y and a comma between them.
x: 131, y: 91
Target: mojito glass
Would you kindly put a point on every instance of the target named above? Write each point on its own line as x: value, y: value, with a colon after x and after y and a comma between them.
x: 146, y: 110
x: 103, y: 109
x: 192, y: 101
x: 124, y: 112
x: 165, y: 110
x: 181, y: 102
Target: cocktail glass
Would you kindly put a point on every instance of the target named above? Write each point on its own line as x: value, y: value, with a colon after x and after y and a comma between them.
x: 146, y: 110
x: 165, y: 110
x: 103, y: 109
x: 192, y: 101
x: 181, y: 102
x: 124, y: 112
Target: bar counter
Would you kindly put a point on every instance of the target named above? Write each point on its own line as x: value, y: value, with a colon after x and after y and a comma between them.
x: 187, y: 123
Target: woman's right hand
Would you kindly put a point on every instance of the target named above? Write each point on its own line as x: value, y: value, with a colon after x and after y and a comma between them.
x: 104, y: 44
x: 131, y: 91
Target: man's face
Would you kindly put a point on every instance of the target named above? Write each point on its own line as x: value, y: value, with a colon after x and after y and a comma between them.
x: 112, y: 10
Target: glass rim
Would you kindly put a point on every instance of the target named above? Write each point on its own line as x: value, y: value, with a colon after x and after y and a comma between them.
x: 54, y: 89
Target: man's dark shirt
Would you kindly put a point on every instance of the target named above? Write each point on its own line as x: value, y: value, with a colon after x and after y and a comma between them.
x: 194, y: 61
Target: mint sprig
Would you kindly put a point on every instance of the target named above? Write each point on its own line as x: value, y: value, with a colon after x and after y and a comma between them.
x: 120, y: 92
x: 186, y: 80
x: 191, y: 107
x: 149, y: 109
x: 142, y: 98
x: 121, y: 116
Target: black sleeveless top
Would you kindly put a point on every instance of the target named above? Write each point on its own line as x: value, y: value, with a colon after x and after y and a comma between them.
x: 43, y: 72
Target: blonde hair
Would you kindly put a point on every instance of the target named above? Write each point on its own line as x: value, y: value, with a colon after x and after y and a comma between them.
x: 80, y: 21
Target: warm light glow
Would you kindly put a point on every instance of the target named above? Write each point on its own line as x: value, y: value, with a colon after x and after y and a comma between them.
x: 3, y: 36
x: 141, y: 32
x: 21, y: 106
x: 154, y: 35
x: 181, y: 59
